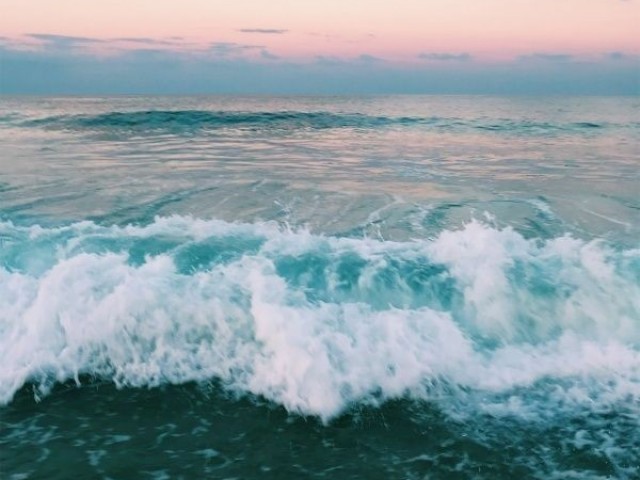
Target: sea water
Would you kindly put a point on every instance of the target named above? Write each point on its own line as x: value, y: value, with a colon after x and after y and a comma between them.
x: 320, y: 287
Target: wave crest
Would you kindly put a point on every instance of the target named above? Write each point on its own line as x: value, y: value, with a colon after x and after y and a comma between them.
x: 317, y: 323
x: 180, y: 121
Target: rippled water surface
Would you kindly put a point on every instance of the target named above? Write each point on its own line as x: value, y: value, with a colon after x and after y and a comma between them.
x: 376, y: 287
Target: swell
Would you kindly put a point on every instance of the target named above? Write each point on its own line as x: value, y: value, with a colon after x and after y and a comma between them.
x: 478, y: 318
x: 200, y: 119
x: 192, y: 120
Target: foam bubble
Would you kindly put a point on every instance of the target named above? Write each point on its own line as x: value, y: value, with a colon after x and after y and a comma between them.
x: 478, y: 318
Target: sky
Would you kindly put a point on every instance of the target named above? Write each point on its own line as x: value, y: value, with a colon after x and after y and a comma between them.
x: 319, y: 46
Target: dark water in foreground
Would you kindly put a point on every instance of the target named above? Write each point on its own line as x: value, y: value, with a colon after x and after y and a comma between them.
x: 375, y: 287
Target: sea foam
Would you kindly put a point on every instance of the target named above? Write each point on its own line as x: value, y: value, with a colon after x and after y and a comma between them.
x: 477, y: 318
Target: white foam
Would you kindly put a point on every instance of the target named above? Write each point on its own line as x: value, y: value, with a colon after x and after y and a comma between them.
x: 524, y: 314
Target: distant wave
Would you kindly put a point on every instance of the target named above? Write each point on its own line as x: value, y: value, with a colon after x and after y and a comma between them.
x: 199, y: 119
x: 192, y: 120
x: 318, y: 323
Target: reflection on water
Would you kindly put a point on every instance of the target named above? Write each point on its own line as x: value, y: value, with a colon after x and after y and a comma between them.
x: 327, y: 163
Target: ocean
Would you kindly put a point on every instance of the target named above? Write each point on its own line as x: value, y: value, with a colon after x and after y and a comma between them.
x: 376, y: 287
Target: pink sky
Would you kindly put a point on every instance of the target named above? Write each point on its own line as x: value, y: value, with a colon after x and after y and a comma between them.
x: 397, y: 30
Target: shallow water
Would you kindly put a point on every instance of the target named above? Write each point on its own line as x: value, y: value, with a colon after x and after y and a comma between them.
x: 374, y: 287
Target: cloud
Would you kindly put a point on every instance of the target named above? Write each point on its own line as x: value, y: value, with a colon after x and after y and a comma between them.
x: 269, y: 31
x: 63, y: 41
x: 446, y: 57
x: 268, y: 55
x: 616, y: 55
x: 54, y: 44
x: 326, y: 36
x: 621, y: 56
x: 61, y: 44
x: 231, y: 49
x: 238, y: 68
x: 327, y: 60
x: 360, y: 60
x: 69, y: 41
x: 7, y: 42
x: 148, y: 40
x: 366, y: 58
x: 547, y: 57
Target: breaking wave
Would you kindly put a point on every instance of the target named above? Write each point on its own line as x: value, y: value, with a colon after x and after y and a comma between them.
x: 478, y: 318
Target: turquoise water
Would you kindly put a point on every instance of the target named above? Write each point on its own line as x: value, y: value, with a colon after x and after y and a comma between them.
x: 376, y: 287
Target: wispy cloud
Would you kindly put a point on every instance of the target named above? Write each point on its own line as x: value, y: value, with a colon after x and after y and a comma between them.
x: 445, y: 57
x: 621, y: 56
x: 266, y: 54
x: 90, y: 45
x: 231, y: 49
x: 359, y: 61
x: 547, y: 57
x: 149, y: 40
x: 366, y: 58
x: 327, y: 60
x: 268, y: 31
x: 63, y: 41
x: 54, y: 44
